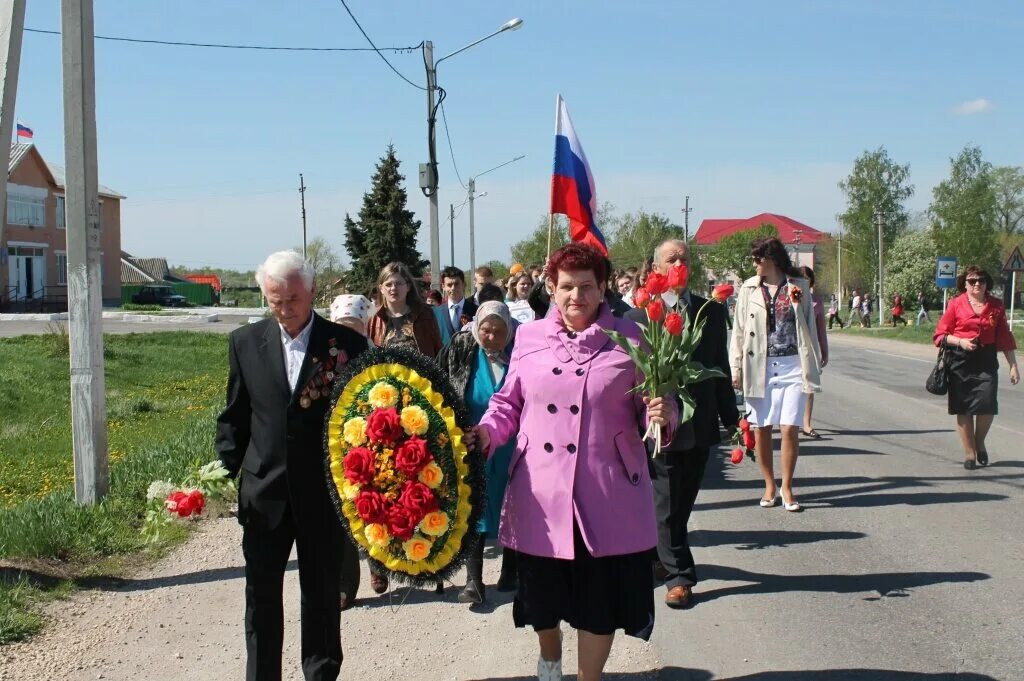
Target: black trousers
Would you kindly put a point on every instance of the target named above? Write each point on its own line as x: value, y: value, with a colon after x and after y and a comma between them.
x: 350, y: 569
x: 677, y: 477
x: 320, y: 559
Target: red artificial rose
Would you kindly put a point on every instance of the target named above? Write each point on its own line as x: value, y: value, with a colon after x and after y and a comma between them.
x: 186, y: 504
x: 655, y: 310
x: 722, y: 292
x: 744, y: 424
x: 359, y: 465
x: 678, y: 276
x: 656, y: 283
x: 674, y: 323
x: 198, y: 500
x: 641, y: 297
x: 372, y: 506
x: 384, y: 425
x: 737, y: 456
x: 402, y: 522
x: 412, y: 455
x: 418, y: 498
x: 174, y: 501
x: 748, y: 439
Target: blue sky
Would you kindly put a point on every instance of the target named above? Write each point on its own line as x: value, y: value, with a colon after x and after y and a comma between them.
x: 744, y: 106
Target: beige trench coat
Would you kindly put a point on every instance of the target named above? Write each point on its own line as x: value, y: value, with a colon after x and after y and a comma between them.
x: 748, y: 352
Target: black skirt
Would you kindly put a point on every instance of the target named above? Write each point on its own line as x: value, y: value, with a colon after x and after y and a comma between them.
x: 973, y: 381
x: 598, y: 595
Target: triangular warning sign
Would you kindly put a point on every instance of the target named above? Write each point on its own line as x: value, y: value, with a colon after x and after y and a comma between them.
x: 1015, y: 263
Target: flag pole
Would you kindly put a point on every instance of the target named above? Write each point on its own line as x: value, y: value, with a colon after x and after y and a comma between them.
x: 551, y: 228
x: 551, y: 202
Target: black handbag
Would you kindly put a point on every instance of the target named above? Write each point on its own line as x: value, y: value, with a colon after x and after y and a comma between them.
x: 938, y: 379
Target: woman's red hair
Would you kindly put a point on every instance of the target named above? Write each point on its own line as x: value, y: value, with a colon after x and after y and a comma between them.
x: 574, y: 257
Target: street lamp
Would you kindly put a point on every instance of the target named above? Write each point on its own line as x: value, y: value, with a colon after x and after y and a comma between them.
x: 472, y: 192
x: 428, y: 171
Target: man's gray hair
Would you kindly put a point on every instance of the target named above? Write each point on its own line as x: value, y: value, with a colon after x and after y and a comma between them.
x: 677, y: 242
x: 280, y: 266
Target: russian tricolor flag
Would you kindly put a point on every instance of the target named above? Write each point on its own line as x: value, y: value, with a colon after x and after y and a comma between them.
x: 572, y: 185
x: 24, y: 131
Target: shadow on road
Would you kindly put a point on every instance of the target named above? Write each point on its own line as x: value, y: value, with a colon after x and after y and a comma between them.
x: 763, y: 539
x: 680, y: 674
x: 189, y: 578
x: 884, y: 584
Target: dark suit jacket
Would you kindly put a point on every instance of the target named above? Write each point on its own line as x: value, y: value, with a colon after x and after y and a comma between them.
x: 273, y: 439
x: 714, y: 397
x: 444, y: 321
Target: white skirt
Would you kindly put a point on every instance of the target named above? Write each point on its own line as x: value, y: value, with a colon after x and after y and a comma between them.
x: 784, y: 400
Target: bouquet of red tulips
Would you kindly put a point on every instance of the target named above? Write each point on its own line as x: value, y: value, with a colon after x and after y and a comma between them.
x: 666, y: 356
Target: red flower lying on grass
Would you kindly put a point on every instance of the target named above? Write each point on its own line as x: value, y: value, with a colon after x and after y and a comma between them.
x: 186, y: 504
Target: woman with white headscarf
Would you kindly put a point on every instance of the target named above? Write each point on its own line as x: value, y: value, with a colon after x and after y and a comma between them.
x: 476, y: 361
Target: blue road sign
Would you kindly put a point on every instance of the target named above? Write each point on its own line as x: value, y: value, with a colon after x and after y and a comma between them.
x: 945, y: 272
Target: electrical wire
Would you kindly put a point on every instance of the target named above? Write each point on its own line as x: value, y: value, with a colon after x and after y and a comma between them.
x: 379, y: 53
x: 277, y: 48
x: 451, y: 151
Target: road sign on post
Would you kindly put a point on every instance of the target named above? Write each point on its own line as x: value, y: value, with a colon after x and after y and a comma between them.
x: 1013, y: 265
x: 945, y: 272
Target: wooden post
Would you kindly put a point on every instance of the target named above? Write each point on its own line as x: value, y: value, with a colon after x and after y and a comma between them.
x: 12, y: 16
x: 85, y: 304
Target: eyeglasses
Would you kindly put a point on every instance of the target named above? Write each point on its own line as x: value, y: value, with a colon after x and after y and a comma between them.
x: 976, y: 282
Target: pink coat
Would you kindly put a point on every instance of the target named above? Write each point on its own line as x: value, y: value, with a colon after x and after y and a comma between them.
x: 578, y: 450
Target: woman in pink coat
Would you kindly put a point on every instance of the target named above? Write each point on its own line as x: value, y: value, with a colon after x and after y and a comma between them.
x: 578, y: 508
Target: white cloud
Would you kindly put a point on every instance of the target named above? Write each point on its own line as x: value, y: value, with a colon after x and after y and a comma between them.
x: 972, y: 106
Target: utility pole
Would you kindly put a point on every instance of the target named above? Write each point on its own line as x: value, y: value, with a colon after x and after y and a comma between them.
x: 435, y: 230
x: 839, y: 274
x: 472, y: 227
x: 302, y: 199
x: 12, y: 15
x: 85, y: 305
x: 880, y: 219
x: 451, y: 207
x: 686, y: 221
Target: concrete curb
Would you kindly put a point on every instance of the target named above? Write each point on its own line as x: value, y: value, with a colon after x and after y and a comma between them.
x: 164, y: 319
x: 16, y: 317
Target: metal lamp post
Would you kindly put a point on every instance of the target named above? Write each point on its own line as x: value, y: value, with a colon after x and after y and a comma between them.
x: 432, y: 179
x: 472, y: 223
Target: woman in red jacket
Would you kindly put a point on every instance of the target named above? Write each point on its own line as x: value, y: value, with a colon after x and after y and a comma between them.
x: 974, y: 329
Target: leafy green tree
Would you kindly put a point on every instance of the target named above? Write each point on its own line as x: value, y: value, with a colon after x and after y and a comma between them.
x: 732, y: 253
x: 533, y: 250
x: 385, y: 231
x: 326, y: 267
x: 965, y: 212
x: 876, y: 184
x: 910, y: 267
x: 1008, y: 185
x: 499, y: 268
x: 638, y: 235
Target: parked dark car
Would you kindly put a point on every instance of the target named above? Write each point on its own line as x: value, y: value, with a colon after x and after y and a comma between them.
x: 159, y: 295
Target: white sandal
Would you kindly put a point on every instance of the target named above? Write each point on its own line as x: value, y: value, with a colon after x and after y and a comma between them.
x: 549, y: 670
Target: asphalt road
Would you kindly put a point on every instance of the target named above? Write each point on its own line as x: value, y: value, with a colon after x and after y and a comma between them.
x: 903, y: 566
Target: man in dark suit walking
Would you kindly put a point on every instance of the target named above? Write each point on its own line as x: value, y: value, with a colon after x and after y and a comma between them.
x: 270, y: 435
x: 678, y: 471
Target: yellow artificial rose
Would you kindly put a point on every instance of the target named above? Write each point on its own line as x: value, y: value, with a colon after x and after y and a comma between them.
x: 377, y: 534
x: 434, y: 524
x: 354, y: 431
x: 431, y: 475
x: 417, y: 548
x: 415, y: 421
x: 349, y: 490
x: 383, y: 395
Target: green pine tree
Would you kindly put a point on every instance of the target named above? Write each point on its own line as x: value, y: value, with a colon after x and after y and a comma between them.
x: 385, y: 232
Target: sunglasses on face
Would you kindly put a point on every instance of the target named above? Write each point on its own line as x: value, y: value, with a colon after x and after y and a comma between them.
x: 757, y: 259
x: 975, y: 282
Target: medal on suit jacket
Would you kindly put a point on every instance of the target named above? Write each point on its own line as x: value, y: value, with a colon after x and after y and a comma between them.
x: 400, y: 475
x: 319, y: 385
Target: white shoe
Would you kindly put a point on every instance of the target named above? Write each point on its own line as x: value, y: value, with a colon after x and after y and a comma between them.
x: 549, y: 671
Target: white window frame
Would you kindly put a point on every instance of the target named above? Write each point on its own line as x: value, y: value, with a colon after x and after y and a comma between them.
x: 26, y: 206
x: 61, y: 211
x: 62, y: 272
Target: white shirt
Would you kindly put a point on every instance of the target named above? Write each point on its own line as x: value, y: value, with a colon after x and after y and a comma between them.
x: 295, y: 352
x: 455, y: 312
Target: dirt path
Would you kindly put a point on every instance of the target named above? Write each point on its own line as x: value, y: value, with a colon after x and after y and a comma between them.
x: 183, y: 620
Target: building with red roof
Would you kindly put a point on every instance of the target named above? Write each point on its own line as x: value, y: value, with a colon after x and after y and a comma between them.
x: 800, y: 239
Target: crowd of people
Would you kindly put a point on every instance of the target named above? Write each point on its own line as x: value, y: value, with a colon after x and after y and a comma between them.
x: 552, y: 412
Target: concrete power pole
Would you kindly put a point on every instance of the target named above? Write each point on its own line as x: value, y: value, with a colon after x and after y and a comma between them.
x: 451, y: 209
x: 12, y: 15
x: 686, y: 221
x: 302, y: 199
x: 880, y: 219
x: 435, y: 229
x: 472, y: 227
x: 88, y: 395
x: 839, y: 274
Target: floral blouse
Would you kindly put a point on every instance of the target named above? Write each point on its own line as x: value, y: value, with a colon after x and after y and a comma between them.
x: 781, y: 322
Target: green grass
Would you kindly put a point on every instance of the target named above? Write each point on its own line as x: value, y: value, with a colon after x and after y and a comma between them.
x: 909, y: 333
x: 163, y: 393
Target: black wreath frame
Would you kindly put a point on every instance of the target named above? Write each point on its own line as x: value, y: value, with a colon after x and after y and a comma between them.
x: 429, y: 369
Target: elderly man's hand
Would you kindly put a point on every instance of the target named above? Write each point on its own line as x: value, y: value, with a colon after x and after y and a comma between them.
x: 657, y: 410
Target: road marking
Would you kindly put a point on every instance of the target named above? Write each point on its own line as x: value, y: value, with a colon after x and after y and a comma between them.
x: 920, y: 401
x: 890, y: 354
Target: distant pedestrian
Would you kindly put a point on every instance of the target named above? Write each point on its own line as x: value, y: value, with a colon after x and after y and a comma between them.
x: 974, y: 329
x: 922, y: 310
x: 855, y: 314
x: 833, y: 312
x: 775, y: 360
x: 897, y: 311
x: 865, y: 311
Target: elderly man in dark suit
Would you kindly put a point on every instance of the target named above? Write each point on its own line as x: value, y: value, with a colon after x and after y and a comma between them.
x: 270, y: 435
x: 677, y: 472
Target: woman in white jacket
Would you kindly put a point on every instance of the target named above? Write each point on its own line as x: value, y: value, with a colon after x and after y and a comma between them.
x: 775, y: 360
